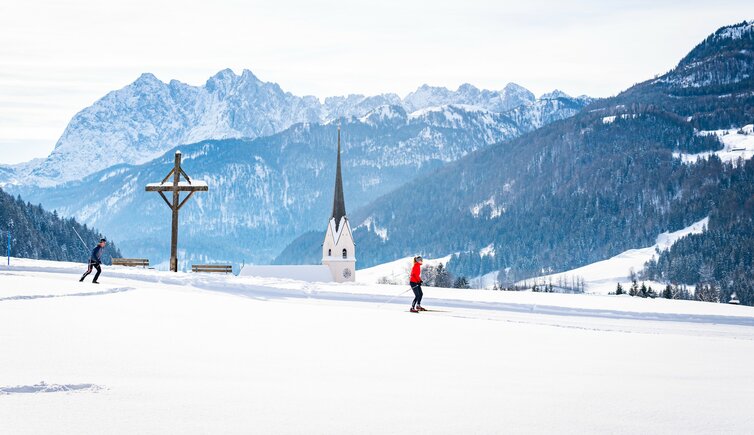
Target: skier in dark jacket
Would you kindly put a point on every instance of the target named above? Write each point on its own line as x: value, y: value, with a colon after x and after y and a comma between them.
x: 95, y: 260
x: 416, y: 285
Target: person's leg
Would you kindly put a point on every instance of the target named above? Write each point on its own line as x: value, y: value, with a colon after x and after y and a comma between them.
x: 416, y: 288
x: 88, y: 271
x: 99, y: 270
x: 419, y: 295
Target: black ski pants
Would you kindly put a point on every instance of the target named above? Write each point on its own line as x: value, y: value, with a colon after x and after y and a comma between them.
x: 92, y: 264
x: 417, y: 288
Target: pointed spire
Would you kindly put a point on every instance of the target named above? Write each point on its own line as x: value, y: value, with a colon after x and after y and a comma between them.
x: 339, y: 203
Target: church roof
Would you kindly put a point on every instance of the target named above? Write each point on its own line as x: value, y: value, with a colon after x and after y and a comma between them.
x: 339, y: 202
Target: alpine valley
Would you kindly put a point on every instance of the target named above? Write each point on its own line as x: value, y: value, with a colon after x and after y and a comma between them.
x: 266, y: 154
x: 500, y: 181
x: 658, y: 157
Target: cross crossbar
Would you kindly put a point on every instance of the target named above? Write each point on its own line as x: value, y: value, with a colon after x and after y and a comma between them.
x: 176, y: 187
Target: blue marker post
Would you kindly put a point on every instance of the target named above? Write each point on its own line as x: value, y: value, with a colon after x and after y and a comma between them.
x: 8, y: 248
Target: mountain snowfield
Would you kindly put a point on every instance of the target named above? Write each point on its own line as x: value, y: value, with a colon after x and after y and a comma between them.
x: 156, y: 352
x: 143, y: 120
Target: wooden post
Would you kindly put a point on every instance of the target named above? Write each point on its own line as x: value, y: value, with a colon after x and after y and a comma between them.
x: 176, y: 187
x: 174, y: 229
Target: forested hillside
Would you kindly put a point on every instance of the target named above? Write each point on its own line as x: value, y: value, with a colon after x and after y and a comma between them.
x: 39, y: 234
x: 583, y: 189
x: 724, y: 254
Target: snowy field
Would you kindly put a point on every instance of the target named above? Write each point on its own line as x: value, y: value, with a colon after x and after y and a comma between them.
x: 155, y: 352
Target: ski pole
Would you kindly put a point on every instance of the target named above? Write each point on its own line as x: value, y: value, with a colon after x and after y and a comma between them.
x: 82, y: 240
x: 391, y: 299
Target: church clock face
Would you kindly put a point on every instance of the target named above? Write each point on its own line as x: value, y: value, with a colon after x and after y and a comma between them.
x: 347, y: 273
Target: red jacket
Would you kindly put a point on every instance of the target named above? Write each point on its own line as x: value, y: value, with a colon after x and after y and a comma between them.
x: 416, y: 273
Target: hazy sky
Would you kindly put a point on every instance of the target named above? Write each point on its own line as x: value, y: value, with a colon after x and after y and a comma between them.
x: 57, y: 57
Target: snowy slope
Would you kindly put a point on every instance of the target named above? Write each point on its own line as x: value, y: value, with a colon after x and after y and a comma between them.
x: 738, y: 143
x: 153, y: 352
x: 603, y: 276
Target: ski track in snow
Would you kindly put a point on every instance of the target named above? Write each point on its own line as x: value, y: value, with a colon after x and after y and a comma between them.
x: 44, y: 387
x: 614, y: 320
x: 97, y: 293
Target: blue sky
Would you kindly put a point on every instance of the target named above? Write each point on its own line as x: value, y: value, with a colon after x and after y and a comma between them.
x: 57, y: 57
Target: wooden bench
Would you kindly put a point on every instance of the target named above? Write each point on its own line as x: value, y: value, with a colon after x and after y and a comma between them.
x: 131, y: 262
x: 212, y: 268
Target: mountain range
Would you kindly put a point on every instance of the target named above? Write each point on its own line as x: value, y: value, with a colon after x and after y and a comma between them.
x: 266, y: 191
x: 141, y: 121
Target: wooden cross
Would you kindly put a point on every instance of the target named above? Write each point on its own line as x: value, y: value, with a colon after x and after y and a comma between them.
x: 176, y: 187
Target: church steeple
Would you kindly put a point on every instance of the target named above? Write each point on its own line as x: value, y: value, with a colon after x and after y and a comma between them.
x: 339, y: 203
x: 338, y: 248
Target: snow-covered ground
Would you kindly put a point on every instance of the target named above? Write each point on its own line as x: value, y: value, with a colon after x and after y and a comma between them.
x: 603, y: 276
x: 157, y: 352
x: 738, y: 143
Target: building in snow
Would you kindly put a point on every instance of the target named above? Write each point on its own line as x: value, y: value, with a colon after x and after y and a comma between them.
x: 338, y: 248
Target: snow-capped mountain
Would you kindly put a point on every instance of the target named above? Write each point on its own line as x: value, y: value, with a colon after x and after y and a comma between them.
x: 265, y: 192
x: 144, y: 119
x: 722, y: 59
x: 510, y: 97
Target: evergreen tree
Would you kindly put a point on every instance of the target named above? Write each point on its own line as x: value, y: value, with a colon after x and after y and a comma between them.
x: 443, y: 278
x: 634, y: 290
x: 651, y: 293
x: 668, y: 292
x: 706, y: 293
x: 461, y: 282
x: 619, y: 290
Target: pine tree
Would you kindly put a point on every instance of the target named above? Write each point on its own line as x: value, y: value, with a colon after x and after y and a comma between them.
x: 634, y: 290
x: 651, y: 293
x: 619, y: 290
x: 443, y: 277
x: 643, y: 291
x: 461, y: 282
x: 668, y: 292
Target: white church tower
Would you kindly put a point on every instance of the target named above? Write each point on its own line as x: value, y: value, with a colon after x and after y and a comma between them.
x: 338, y: 250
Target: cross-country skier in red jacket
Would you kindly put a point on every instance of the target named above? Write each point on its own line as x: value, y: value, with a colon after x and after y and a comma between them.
x: 416, y: 285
